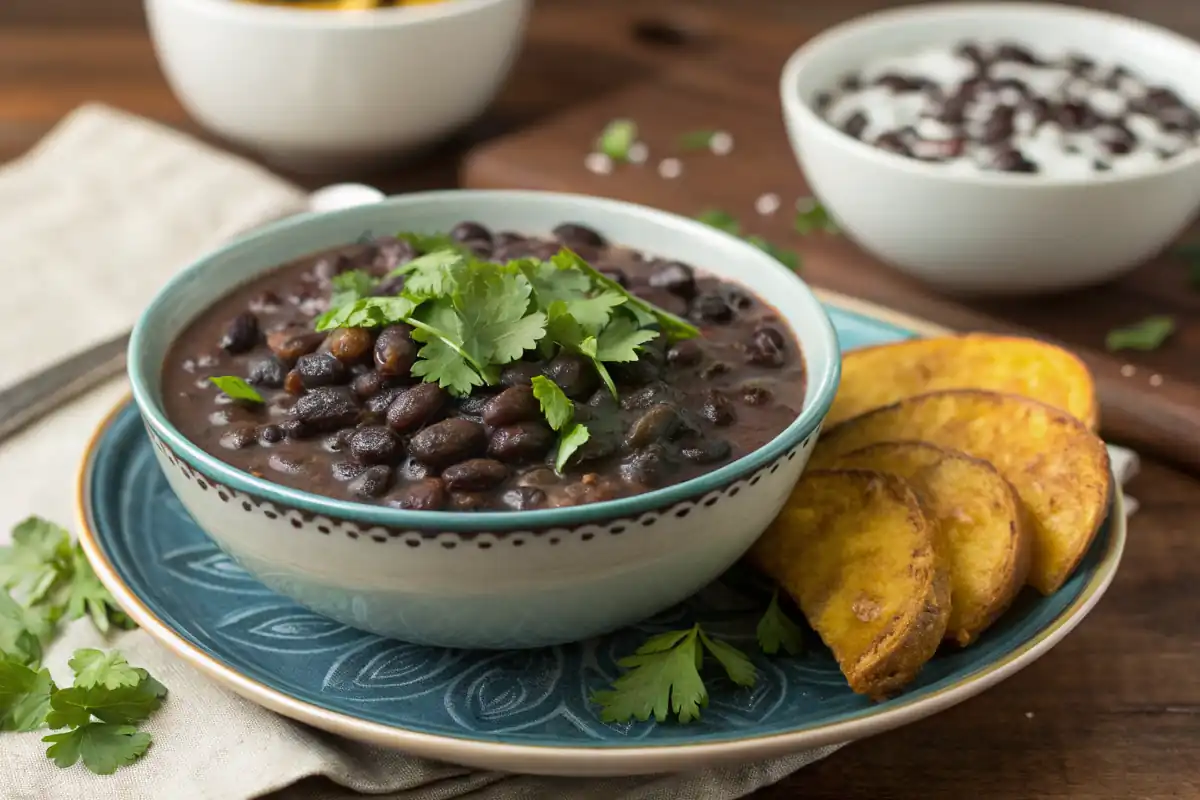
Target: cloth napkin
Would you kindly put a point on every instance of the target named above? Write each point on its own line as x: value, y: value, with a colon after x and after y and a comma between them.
x: 92, y: 222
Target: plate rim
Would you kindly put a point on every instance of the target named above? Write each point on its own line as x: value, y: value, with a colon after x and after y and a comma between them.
x: 597, y: 761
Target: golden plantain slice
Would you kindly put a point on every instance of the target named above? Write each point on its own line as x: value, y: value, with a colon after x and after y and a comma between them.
x: 984, y: 533
x: 858, y: 554
x: 878, y: 376
x: 1059, y: 468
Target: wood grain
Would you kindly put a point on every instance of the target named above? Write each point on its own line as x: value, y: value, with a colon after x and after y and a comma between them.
x: 1113, y: 711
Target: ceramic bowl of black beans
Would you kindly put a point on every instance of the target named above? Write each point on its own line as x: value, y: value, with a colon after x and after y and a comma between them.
x: 485, y: 419
x: 1000, y: 148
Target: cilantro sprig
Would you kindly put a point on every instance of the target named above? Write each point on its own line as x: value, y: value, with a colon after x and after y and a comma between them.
x: 724, y: 221
x: 46, y: 578
x: 617, y: 138
x: 473, y: 316
x: 1148, y: 334
x: 560, y: 415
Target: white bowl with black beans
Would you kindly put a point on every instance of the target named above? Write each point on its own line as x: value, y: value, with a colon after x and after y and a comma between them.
x: 1000, y: 148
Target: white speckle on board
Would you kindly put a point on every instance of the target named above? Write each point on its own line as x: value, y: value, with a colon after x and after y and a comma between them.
x: 638, y: 153
x: 670, y: 168
x: 598, y: 164
x: 721, y: 143
x: 767, y: 204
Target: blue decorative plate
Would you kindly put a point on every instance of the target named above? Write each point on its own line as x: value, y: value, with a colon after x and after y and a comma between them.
x: 522, y: 710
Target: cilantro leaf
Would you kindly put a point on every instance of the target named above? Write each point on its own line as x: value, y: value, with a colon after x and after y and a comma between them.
x: 788, y: 258
x: 427, y: 243
x: 35, y: 560
x: 571, y: 438
x: 1149, y: 334
x: 237, y: 388
x: 593, y: 313
x: 128, y: 705
x: 442, y: 359
x: 660, y: 683
x: 493, y: 306
x: 367, y: 312
x: 24, y: 695
x: 562, y: 328
x: 428, y: 275
x: 87, y: 595
x: 616, y: 139
x: 620, y: 340
x: 347, y: 288
x: 776, y: 629
x: 104, y: 747
x: 674, y: 327
x: 812, y: 217
x: 739, y: 668
x: 553, y: 283
x: 721, y: 220
x: 696, y: 140
x: 109, y: 670
x: 589, y: 347
x: 556, y: 406
x: 21, y: 631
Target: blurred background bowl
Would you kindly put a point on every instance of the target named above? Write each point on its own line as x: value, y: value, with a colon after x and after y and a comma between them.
x: 325, y: 90
x: 993, y: 233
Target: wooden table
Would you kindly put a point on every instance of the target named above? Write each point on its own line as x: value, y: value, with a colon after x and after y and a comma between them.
x: 1112, y: 712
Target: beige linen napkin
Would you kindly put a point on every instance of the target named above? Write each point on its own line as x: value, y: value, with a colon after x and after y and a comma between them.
x: 91, y: 223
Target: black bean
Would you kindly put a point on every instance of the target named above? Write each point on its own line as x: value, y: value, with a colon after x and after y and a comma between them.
x: 766, y: 348
x: 654, y: 424
x: 269, y: 434
x: 705, y: 451
x: 473, y: 404
x: 676, y: 277
x: 474, y: 475
x: 712, y: 307
x: 647, y: 467
x: 321, y: 369
x: 954, y: 109
x: 290, y: 344
x: 469, y: 501
x: 448, y: 442
x: 999, y: 126
x: 372, y: 483
x: 600, y: 444
x: 524, y: 441
x: 348, y: 470
x: 505, y: 238
x: 327, y: 408
x: 426, y: 494
x: 295, y: 429
x: 1076, y: 116
x: 470, y: 232
x: 523, y: 498
x: 284, y: 464
x: 1079, y: 65
x: 391, y: 252
x: 648, y: 367
x: 293, y: 383
x: 519, y: 373
x: 1017, y: 53
x: 389, y: 287
x: 538, y: 476
x: 395, y: 350
x: 718, y: 409
x: 897, y: 83
x: 241, y: 335
x: 649, y: 395
x: 615, y: 274
x: 515, y: 404
x: 339, y: 441
x: 855, y: 125
x: 713, y: 370
x: 755, y: 395
x: 369, y: 384
x: 351, y: 345
x: 602, y: 401
x: 971, y: 52
x: 268, y: 372
x: 574, y: 374
x: 413, y: 470
x: 375, y: 444
x: 574, y: 235
x: 893, y: 142
x: 238, y: 438
x: 685, y: 353
x: 1012, y: 160
x: 378, y: 404
x: 416, y: 406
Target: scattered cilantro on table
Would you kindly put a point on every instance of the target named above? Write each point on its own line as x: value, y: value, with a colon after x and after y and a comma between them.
x: 812, y: 217
x: 724, y: 221
x: 696, y: 140
x: 44, y: 579
x: 617, y: 138
x: 1148, y: 334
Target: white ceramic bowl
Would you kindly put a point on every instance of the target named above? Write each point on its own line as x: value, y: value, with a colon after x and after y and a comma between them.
x: 487, y: 579
x: 330, y: 89
x: 997, y: 232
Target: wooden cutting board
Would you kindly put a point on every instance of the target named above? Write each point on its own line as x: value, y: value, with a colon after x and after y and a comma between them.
x: 1150, y: 401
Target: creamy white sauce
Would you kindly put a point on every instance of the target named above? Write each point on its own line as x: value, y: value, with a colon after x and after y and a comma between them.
x: 1057, y: 152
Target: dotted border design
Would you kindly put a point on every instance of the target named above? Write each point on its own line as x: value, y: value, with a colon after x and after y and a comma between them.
x: 448, y: 539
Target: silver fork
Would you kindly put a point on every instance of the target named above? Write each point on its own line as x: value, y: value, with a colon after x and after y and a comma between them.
x: 53, y: 387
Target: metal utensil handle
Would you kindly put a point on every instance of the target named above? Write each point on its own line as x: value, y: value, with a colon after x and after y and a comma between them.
x: 38, y: 395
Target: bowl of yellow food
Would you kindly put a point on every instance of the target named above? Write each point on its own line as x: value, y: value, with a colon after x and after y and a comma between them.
x: 328, y: 84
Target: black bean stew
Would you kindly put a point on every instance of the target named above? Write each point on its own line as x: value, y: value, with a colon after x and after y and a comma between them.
x: 343, y: 415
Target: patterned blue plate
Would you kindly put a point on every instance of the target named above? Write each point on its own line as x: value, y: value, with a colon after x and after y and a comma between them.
x: 522, y: 710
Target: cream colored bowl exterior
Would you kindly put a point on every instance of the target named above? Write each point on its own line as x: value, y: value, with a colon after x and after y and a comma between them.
x: 319, y: 89
x: 995, y: 233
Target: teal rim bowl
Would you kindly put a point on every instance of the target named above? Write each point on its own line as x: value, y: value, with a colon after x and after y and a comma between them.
x: 300, y: 235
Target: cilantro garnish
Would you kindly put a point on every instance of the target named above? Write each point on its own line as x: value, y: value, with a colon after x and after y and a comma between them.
x: 663, y: 677
x: 1149, y: 334
x: 102, y: 710
x: 696, y: 140
x: 812, y: 217
x: 617, y: 138
x: 789, y: 258
x: 776, y: 629
x: 559, y: 412
x: 237, y: 388
x: 723, y: 221
x: 365, y: 312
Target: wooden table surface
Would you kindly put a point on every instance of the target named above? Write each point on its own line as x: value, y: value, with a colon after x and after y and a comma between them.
x: 1112, y: 712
